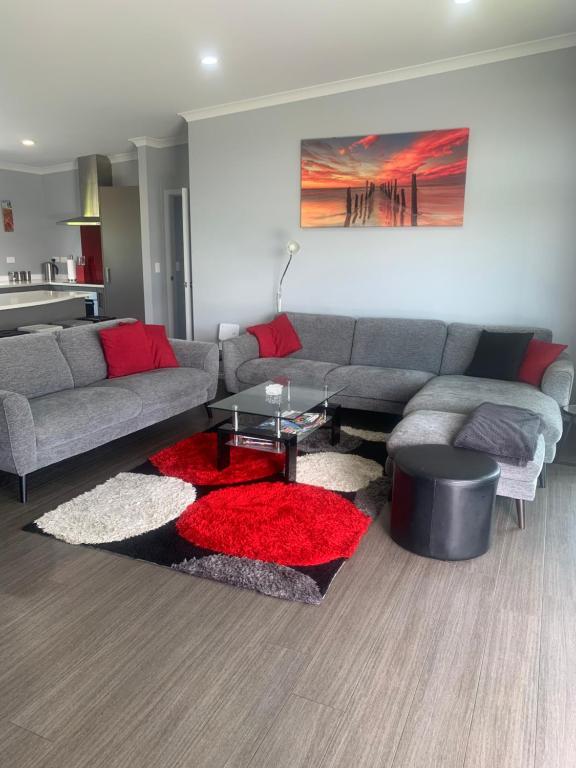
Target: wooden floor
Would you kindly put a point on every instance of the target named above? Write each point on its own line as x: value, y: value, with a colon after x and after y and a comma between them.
x: 107, y: 662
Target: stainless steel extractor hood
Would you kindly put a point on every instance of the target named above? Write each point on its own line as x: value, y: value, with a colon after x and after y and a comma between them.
x: 94, y: 171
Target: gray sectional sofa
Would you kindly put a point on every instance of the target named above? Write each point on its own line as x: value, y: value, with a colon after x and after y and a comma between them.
x: 56, y: 402
x: 400, y: 366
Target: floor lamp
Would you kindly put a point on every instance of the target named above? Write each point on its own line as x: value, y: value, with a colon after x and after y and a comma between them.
x: 292, y: 249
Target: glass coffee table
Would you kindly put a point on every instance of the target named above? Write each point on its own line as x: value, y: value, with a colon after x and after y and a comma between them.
x: 290, y: 414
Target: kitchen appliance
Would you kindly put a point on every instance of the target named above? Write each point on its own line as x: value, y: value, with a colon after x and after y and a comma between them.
x: 94, y: 172
x: 50, y: 270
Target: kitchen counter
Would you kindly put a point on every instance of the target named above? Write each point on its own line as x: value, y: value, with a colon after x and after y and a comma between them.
x: 22, y: 299
x: 39, y: 283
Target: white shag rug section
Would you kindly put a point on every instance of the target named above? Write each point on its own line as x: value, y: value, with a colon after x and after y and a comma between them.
x: 367, y: 434
x: 122, y: 507
x: 337, y: 471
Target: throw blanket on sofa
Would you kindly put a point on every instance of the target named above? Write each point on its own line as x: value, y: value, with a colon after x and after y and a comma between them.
x: 509, y: 434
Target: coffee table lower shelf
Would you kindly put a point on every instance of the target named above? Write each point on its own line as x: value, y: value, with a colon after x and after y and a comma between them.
x: 285, y: 442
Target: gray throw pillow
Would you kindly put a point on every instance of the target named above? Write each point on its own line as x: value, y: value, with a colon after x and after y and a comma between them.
x: 504, y: 431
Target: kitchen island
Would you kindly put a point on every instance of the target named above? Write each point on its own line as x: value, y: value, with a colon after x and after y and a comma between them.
x: 31, y: 307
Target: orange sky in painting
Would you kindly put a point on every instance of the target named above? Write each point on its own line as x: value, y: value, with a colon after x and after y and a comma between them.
x: 433, y: 155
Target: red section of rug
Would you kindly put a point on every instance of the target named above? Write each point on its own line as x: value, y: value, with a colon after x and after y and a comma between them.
x: 275, y: 522
x: 194, y: 460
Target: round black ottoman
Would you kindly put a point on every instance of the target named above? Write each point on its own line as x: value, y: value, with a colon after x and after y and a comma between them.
x: 442, y: 501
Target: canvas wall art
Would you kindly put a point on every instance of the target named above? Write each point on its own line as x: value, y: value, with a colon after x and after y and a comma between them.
x: 385, y: 180
x: 7, y: 216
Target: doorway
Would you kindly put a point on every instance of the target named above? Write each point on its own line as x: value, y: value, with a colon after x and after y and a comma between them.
x: 178, y: 266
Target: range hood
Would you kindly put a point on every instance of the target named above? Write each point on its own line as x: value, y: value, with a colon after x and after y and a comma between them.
x: 94, y: 171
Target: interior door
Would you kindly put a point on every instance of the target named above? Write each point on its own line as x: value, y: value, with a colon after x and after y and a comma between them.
x: 122, y: 252
x: 176, y: 298
x: 187, y: 258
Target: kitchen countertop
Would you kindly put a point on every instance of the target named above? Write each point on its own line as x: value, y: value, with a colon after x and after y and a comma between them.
x: 39, y: 281
x: 22, y: 299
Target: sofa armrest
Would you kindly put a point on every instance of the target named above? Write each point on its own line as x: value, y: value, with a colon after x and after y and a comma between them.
x: 558, y: 379
x: 17, y: 434
x: 235, y: 352
x: 199, y: 354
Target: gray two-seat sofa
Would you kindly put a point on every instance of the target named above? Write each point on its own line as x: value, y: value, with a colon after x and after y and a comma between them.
x: 56, y: 402
x: 401, y: 366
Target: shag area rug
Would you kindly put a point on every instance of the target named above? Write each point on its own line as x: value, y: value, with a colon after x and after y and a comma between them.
x: 243, y: 526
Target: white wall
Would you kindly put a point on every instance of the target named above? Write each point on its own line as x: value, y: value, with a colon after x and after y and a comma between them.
x: 159, y: 170
x: 513, y: 261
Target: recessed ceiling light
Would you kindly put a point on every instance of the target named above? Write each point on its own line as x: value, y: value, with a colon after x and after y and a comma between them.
x: 461, y: 2
x: 209, y: 61
x: 28, y: 142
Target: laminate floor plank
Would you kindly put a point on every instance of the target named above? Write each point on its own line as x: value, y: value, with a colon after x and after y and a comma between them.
x: 503, y: 725
x: 313, y: 724
x: 556, y: 721
x: 20, y: 748
x: 438, y: 724
x: 377, y: 713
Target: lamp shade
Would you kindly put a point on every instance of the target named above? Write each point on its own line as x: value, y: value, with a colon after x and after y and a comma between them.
x: 293, y: 247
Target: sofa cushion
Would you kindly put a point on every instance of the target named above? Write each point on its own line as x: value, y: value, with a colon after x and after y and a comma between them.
x: 162, y: 384
x: 83, y: 351
x: 462, y: 340
x: 305, y: 372
x: 64, y: 416
x: 33, y: 365
x: 326, y: 338
x: 396, y: 384
x: 462, y: 394
x: 392, y: 342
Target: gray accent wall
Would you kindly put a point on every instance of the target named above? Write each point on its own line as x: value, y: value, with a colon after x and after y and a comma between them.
x: 31, y: 242
x: 125, y: 174
x: 513, y: 261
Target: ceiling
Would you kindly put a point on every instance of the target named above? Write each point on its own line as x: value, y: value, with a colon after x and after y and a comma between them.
x: 80, y: 79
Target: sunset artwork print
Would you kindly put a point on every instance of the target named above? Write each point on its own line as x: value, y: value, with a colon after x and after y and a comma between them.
x: 390, y: 180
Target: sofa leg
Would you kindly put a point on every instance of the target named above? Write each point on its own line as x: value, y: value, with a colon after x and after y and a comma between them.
x: 22, y: 489
x: 520, y: 511
x: 542, y: 478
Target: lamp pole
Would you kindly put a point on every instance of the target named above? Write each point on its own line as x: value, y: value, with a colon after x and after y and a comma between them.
x: 292, y: 249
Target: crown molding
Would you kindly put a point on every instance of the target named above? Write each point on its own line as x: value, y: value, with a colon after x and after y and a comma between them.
x: 19, y: 168
x: 440, y: 66
x: 123, y: 157
x: 149, y: 141
x: 38, y: 170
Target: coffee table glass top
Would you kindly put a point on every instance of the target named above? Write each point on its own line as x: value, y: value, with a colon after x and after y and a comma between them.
x: 291, y: 401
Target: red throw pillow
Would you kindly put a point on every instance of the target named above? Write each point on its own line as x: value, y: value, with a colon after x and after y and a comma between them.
x: 539, y: 355
x: 162, y: 351
x: 126, y: 349
x: 276, y: 339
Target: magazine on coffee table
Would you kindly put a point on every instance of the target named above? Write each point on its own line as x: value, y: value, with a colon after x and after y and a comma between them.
x: 297, y: 426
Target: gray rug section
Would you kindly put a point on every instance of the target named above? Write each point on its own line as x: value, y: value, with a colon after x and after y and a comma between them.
x: 372, y: 499
x: 319, y: 442
x: 268, y: 578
